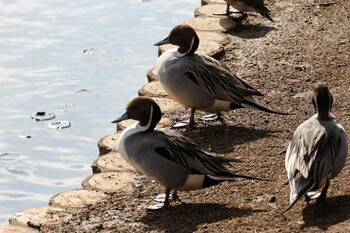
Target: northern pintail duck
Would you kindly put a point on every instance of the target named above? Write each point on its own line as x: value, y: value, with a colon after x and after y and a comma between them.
x: 318, y: 150
x: 166, y: 156
x: 199, y: 81
x: 249, y: 6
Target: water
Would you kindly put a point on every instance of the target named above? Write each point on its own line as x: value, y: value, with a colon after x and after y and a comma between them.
x: 81, y: 60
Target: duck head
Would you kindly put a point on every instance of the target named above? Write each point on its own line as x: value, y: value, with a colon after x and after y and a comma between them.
x: 322, y: 101
x: 143, y: 109
x: 183, y: 36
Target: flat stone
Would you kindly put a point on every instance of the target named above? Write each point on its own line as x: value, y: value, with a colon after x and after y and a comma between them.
x: 152, y: 75
x: 17, y: 229
x: 110, y: 181
x: 211, y: 24
x: 77, y: 198
x: 108, y: 144
x: 111, y: 162
x: 210, y: 10
x: 36, y: 217
x: 209, y: 43
x: 206, y: 2
x: 167, y: 105
x: 153, y: 89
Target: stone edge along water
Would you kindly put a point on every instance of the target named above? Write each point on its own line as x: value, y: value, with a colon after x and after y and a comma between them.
x: 110, y: 172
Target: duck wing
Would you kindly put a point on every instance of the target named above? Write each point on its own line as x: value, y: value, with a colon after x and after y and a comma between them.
x: 214, y: 77
x: 189, y: 155
x: 194, y: 160
x: 311, y: 156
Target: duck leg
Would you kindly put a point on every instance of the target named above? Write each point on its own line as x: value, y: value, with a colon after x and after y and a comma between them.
x: 228, y: 11
x: 166, y: 200
x: 188, y: 123
x: 191, y: 123
x: 174, y: 196
x: 163, y: 200
x: 323, y: 195
x: 211, y: 117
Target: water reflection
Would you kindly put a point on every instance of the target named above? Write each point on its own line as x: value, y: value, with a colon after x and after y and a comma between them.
x: 81, y: 60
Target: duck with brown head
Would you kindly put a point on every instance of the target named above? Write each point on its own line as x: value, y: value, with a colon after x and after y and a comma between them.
x: 166, y: 156
x: 199, y: 81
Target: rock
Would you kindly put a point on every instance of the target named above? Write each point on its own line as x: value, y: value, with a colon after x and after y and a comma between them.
x: 36, y: 217
x: 76, y: 198
x: 211, y: 24
x: 17, y: 229
x: 210, y: 10
x: 110, y: 181
x: 110, y: 162
x: 153, y: 89
x: 108, y: 144
x: 167, y: 105
x: 152, y: 75
x: 206, y: 2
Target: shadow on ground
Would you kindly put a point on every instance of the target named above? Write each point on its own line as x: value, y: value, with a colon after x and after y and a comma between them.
x: 251, y: 31
x: 190, y: 216
x: 325, y: 215
x: 235, y: 135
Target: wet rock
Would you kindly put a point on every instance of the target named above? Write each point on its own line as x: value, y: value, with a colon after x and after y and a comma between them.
x: 24, y: 136
x: 43, y: 116
x: 8, y: 156
x: 81, y: 90
x: 60, y: 124
x: 89, y: 51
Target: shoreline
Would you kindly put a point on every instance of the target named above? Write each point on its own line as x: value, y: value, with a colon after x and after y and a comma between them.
x: 110, y: 173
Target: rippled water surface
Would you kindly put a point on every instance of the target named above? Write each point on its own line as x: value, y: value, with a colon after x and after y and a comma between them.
x: 82, y: 61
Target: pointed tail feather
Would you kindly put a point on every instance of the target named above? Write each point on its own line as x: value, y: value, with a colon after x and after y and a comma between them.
x: 228, y: 176
x: 256, y: 106
x: 292, y: 203
x: 266, y: 15
x: 302, y: 193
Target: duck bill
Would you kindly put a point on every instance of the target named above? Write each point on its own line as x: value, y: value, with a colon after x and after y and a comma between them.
x: 165, y: 41
x: 121, y: 118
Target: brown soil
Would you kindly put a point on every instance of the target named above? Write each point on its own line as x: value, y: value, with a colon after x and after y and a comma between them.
x: 307, y: 43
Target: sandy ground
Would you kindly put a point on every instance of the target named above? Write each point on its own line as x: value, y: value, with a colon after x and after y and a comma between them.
x: 307, y: 43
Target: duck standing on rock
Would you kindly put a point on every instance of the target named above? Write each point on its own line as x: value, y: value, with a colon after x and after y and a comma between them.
x: 318, y: 150
x: 249, y: 6
x: 166, y: 156
x: 199, y: 81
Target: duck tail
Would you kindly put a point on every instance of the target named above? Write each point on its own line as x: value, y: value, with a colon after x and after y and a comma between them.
x: 299, y: 195
x: 264, y: 11
x: 266, y: 15
x: 292, y: 203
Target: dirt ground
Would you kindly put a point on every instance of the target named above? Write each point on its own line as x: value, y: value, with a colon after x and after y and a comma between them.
x: 308, y: 42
